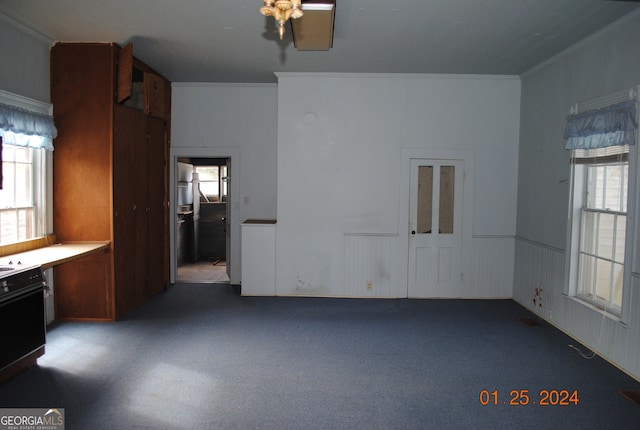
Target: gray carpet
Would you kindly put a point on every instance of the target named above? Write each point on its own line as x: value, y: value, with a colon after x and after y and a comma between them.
x: 201, y: 356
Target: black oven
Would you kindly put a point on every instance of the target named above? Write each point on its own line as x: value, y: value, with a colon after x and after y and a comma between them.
x: 22, y: 315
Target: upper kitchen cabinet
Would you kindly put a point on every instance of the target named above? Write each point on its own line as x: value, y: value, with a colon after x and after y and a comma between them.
x: 140, y: 87
x: 110, y: 178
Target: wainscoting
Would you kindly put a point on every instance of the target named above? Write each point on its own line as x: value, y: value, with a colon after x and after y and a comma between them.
x: 372, y: 266
x: 376, y: 265
x: 491, y: 268
x: 538, y: 285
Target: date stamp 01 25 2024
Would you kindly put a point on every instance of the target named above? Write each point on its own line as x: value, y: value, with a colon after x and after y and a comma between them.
x: 524, y: 398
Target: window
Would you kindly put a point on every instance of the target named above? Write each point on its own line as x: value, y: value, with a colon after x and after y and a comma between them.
x: 446, y: 199
x: 213, y: 182
x: 26, y: 142
x: 603, y: 160
x: 22, y: 198
x: 603, y: 225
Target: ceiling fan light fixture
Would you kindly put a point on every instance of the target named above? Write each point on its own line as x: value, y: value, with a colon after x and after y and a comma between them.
x: 281, y: 11
x: 283, y: 4
x: 296, y: 13
x: 267, y: 9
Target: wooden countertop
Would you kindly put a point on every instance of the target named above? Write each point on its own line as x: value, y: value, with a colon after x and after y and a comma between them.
x: 52, y: 255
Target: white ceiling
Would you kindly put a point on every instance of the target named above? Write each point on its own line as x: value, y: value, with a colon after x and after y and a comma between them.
x: 230, y: 41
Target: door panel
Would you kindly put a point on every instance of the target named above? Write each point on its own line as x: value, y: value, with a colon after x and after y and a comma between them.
x: 435, y: 239
x: 227, y: 222
x: 154, y: 87
x: 140, y: 175
x: 157, y: 211
x: 422, y: 272
x: 125, y: 73
x: 128, y: 136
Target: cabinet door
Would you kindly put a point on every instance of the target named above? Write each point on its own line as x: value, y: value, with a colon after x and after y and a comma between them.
x: 157, y: 215
x: 125, y: 73
x: 154, y: 92
x: 129, y: 137
x: 142, y: 208
x: 83, y: 288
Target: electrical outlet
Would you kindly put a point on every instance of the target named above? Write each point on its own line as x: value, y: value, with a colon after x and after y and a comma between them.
x: 369, y: 285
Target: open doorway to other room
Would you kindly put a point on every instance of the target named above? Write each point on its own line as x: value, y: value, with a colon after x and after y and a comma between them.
x: 202, y: 220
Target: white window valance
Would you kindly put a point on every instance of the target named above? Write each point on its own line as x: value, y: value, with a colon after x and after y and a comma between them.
x: 23, y: 127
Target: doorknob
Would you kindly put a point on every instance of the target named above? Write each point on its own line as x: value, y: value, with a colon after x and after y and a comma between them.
x: 413, y: 232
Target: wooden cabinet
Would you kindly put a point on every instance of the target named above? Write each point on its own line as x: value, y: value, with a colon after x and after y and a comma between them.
x: 110, y: 181
x: 141, y: 88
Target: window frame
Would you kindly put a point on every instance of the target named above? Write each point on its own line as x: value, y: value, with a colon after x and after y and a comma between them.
x: 632, y: 243
x: 221, y: 182
x: 43, y: 182
x: 582, y: 210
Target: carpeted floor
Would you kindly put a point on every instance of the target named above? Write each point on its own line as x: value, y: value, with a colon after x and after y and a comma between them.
x: 201, y: 356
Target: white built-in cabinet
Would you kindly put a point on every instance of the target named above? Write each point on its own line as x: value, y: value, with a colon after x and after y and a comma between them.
x: 258, y: 258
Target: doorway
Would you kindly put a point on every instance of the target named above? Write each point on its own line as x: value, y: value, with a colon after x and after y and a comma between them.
x: 208, y: 218
x: 202, y: 217
x: 435, y: 220
x: 438, y: 263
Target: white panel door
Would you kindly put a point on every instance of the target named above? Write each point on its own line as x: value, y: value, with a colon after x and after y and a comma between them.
x: 435, y: 223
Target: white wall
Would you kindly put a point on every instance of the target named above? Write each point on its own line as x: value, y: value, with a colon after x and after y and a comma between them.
x: 25, y: 56
x: 239, y: 120
x: 340, y: 175
x: 604, y: 63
